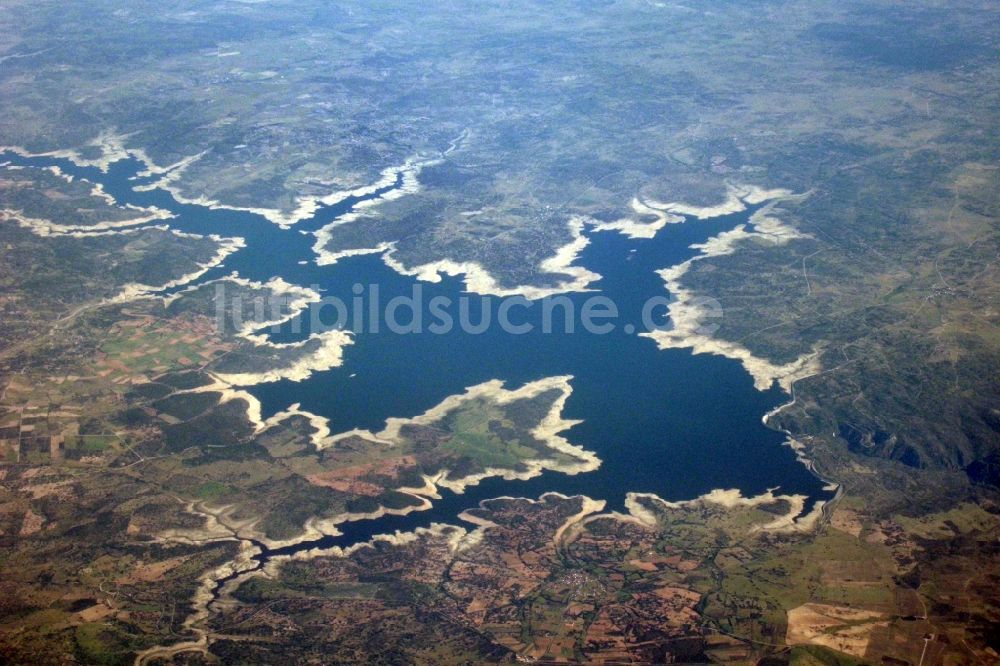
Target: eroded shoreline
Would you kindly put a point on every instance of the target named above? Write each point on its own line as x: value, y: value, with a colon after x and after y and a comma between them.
x: 232, y: 387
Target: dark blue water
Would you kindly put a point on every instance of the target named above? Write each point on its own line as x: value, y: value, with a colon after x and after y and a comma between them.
x: 663, y: 422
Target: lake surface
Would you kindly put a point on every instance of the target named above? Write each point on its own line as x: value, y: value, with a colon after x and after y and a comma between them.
x: 664, y: 422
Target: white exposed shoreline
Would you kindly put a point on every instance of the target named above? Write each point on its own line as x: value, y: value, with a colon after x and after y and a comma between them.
x: 795, y: 520
x: 47, y: 227
x: 306, y: 206
x: 458, y: 537
x: 737, y: 199
x: 685, y: 313
x: 636, y: 229
x: 689, y: 316
x: 477, y: 279
x: 111, y: 145
x: 548, y: 430
x: 132, y: 291
x: 135, y: 290
x: 328, y: 353
x: 113, y: 149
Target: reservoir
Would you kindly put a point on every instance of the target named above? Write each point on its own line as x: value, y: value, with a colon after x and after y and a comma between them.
x: 661, y: 421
